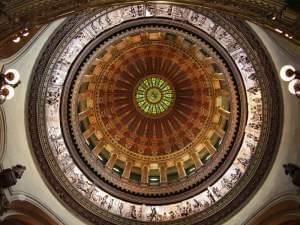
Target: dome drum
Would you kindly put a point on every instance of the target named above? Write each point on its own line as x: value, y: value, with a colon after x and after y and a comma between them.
x: 200, y: 84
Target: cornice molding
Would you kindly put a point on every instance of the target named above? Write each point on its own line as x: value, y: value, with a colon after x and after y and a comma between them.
x: 272, y: 14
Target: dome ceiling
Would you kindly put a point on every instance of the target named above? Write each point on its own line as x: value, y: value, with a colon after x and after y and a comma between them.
x: 152, y: 113
x: 153, y: 105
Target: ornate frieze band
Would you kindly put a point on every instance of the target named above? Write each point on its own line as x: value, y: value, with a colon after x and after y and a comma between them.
x: 273, y: 14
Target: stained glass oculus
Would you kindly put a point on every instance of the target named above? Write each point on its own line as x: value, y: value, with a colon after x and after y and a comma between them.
x: 154, y: 95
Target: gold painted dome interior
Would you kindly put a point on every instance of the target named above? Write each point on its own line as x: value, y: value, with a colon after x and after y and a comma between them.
x: 153, y: 106
x: 154, y: 113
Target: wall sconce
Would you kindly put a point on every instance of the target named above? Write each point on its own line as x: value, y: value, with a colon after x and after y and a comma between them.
x: 289, y: 74
x: 8, y: 81
x: 18, y: 37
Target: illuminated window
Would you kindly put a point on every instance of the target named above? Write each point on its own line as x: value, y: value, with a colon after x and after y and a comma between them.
x: 154, y: 95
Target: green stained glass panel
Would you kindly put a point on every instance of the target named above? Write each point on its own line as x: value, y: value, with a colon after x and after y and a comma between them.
x: 154, y: 95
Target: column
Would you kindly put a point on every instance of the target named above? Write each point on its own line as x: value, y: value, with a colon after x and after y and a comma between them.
x: 82, y: 115
x: 87, y: 133
x: 221, y: 92
x: 111, y: 161
x: 88, y: 78
x: 218, y: 76
x: 223, y: 112
x: 163, y: 173
x: 211, y: 149
x: 180, y: 169
x: 196, y: 159
x: 97, y: 149
x: 127, y: 169
x: 219, y: 131
x: 145, y: 174
x: 84, y: 95
x: 208, y: 60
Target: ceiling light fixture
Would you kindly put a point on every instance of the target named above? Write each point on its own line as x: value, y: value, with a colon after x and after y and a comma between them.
x: 8, y: 81
x: 21, y: 34
x: 25, y: 33
x: 16, y: 40
x: 289, y: 74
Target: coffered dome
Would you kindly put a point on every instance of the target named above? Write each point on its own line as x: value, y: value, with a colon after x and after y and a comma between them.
x: 153, y: 113
x: 153, y: 105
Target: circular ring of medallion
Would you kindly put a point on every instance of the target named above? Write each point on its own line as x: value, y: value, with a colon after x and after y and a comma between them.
x: 190, y: 140
x: 154, y: 95
x: 83, y: 103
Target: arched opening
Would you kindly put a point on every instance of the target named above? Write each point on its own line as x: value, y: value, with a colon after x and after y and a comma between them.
x: 26, y: 213
x: 285, y: 212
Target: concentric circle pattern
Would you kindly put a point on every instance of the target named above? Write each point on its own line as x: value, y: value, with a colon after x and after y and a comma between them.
x: 152, y: 113
x: 153, y: 108
x: 154, y: 95
x: 188, y: 103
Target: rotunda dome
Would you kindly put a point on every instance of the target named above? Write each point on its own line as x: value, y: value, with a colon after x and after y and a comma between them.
x: 153, y: 112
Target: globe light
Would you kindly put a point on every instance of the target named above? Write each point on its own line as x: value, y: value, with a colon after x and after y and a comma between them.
x: 294, y: 87
x: 7, y: 91
x: 16, y: 40
x: 26, y: 32
x: 12, y: 76
x: 287, y: 73
x: 2, y: 99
